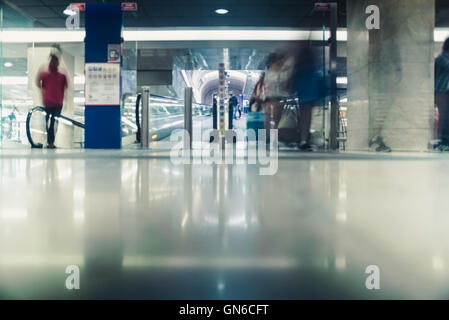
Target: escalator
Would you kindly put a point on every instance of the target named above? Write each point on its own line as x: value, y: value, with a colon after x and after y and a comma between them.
x: 164, y: 119
x: 166, y: 115
x: 36, y: 126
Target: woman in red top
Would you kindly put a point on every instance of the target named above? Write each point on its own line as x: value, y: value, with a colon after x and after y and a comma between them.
x: 53, y: 85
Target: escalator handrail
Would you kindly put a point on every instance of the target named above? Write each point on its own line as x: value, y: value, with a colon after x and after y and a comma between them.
x: 137, y: 114
x: 139, y: 97
x: 74, y: 122
x: 42, y: 109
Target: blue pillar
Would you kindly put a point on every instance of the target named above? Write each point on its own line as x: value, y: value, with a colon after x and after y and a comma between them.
x: 103, y: 27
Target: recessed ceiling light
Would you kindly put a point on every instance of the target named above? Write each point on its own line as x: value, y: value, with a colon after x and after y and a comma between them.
x: 221, y: 11
x: 69, y: 12
x: 8, y: 64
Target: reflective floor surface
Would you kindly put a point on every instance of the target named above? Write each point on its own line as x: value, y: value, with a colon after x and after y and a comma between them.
x: 139, y: 226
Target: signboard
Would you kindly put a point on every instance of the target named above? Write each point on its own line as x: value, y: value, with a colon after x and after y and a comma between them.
x: 102, y: 84
x: 126, y: 6
x: 78, y: 6
x: 129, y: 6
x: 320, y: 6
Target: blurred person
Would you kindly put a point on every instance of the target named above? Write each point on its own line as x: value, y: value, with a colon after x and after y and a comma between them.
x: 442, y: 96
x: 238, y: 111
x: 435, y: 125
x: 277, y: 75
x: 245, y: 106
x: 256, y: 117
x: 232, y: 109
x: 258, y: 96
x: 53, y: 85
x: 309, y: 87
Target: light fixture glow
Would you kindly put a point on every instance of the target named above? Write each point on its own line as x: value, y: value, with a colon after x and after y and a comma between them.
x: 8, y: 64
x: 221, y: 11
x: 342, y: 80
x: 13, y: 80
x: 63, y: 35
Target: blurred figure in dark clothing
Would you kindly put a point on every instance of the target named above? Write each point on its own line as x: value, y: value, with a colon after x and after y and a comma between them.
x: 258, y: 96
x: 232, y: 107
x: 442, y: 96
x: 309, y: 86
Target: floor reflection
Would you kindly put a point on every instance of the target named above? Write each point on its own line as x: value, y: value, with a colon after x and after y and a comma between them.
x: 145, y: 228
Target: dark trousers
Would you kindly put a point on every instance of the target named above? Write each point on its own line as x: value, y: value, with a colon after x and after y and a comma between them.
x: 305, y: 121
x: 273, y: 112
x: 442, y: 102
x: 51, y: 114
x: 231, y: 116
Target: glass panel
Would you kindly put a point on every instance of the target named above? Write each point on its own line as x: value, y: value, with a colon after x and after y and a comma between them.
x: 172, y: 66
x: 23, y: 57
x: 13, y: 64
x: 129, y: 93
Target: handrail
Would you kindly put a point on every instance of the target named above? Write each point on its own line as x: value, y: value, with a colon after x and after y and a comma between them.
x: 74, y: 122
x: 139, y: 97
x: 41, y: 109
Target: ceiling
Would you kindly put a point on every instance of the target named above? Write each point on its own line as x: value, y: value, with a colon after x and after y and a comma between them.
x: 196, y: 13
x: 191, y: 13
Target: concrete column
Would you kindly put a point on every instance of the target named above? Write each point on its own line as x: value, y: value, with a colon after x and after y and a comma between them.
x: 357, y: 69
x: 390, y: 74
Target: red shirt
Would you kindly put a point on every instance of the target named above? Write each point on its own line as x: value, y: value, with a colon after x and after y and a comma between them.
x: 53, y: 85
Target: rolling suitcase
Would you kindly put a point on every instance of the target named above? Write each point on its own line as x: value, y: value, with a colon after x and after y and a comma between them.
x: 255, y: 121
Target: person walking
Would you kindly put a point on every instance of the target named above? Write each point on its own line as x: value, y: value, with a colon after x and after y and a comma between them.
x: 442, y: 96
x: 53, y: 85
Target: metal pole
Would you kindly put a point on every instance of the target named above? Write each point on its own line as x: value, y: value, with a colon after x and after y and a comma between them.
x: 333, y: 78
x: 324, y: 101
x: 145, y: 134
x: 214, y: 112
x: 221, y: 99
x: 188, y: 124
x: 222, y: 93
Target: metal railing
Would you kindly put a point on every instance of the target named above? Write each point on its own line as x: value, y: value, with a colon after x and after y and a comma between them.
x: 57, y: 118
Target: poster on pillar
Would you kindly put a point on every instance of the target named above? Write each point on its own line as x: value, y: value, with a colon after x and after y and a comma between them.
x: 102, y: 84
x: 114, y: 53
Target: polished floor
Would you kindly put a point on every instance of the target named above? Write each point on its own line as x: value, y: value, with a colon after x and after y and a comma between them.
x: 139, y: 226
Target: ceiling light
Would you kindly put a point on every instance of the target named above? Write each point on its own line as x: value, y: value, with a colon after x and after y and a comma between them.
x: 8, y: 64
x: 221, y: 11
x: 69, y: 12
